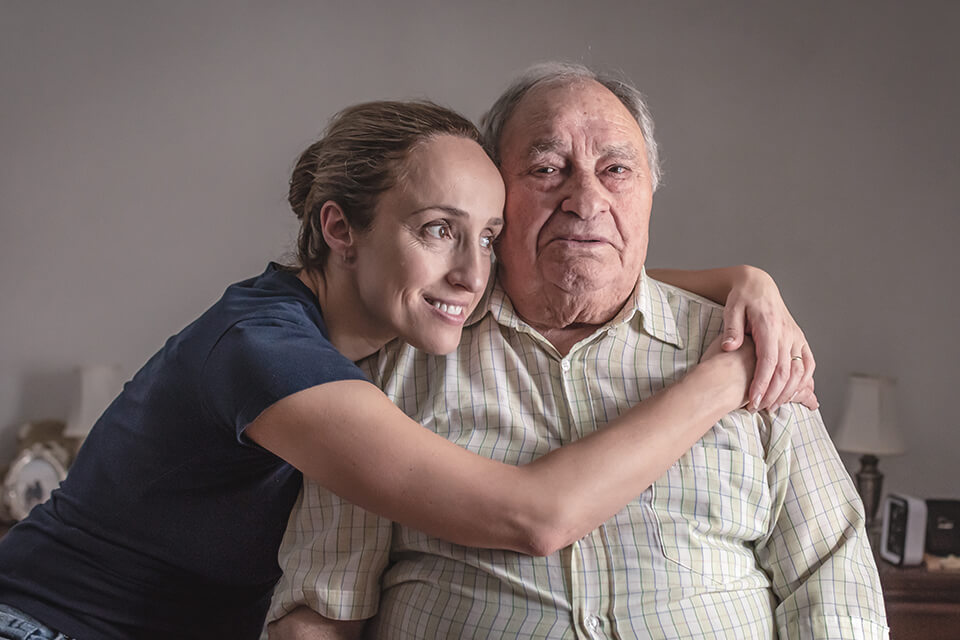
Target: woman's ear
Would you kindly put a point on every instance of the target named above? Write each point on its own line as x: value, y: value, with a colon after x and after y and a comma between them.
x: 337, y: 232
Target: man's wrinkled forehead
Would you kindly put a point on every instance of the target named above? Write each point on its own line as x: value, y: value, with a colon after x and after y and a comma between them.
x: 551, y: 119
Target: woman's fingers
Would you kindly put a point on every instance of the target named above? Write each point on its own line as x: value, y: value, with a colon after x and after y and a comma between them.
x: 734, y: 319
x: 806, y: 396
x: 799, y: 385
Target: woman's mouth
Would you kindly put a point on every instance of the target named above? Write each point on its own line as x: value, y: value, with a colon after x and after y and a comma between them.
x: 447, y: 308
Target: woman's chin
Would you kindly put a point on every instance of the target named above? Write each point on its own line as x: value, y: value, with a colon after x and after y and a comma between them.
x: 437, y: 343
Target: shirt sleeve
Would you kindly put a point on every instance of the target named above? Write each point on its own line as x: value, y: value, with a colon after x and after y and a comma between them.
x: 332, y: 557
x: 259, y: 361
x: 817, y: 552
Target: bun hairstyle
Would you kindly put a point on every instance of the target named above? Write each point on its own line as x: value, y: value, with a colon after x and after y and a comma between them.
x: 360, y: 156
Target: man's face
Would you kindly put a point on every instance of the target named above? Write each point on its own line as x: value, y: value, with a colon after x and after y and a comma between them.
x: 578, y: 194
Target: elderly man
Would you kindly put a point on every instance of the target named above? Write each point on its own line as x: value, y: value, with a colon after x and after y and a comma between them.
x: 756, y: 532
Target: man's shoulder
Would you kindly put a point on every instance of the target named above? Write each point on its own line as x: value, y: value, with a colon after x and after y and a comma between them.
x: 681, y: 299
x: 692, y: 314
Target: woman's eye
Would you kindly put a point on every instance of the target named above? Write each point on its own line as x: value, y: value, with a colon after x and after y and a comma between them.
x: 486, y: 242
x: 438, y: 230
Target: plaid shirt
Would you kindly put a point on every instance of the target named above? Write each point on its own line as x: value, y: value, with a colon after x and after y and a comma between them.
x: 756, y: 531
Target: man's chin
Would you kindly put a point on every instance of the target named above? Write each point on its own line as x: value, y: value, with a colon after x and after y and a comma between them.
x: 584, y: 277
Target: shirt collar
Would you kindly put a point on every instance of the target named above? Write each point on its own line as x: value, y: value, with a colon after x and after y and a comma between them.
x: 650, y: 299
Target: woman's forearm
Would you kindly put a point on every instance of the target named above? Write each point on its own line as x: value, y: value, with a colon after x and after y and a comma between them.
x: 633, y: 451
x: 714, y: 284
x: 349, y: 438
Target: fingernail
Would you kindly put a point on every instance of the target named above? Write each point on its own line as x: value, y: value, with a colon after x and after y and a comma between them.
x: 756, y: 401
x: 728, y: 340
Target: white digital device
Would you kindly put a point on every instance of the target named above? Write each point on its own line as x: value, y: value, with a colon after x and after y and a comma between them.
x: 904, y: 529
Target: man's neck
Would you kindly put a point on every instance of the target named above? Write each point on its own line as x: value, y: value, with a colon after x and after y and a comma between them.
x: 565, y: 319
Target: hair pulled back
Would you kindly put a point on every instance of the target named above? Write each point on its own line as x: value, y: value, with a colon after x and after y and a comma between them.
x: 360, y: 156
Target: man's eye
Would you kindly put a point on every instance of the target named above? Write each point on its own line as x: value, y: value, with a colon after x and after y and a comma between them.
x: 546, y: 171
x: 438, y: 230
x: 619, y: 169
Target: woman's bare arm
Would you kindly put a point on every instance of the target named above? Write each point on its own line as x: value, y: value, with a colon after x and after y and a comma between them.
x: 753, y: 304
x: 303, y: 623
x: 351, y: 439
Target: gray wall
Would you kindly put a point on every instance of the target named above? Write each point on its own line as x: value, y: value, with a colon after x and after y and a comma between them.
x: 145, y: 148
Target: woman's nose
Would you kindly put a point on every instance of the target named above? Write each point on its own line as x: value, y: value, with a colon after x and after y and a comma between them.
x: 470, y: 269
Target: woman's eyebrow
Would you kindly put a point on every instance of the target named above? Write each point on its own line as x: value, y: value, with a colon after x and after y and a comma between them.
x: 456, y: 212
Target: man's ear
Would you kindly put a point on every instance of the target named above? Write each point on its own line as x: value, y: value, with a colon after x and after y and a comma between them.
x: 337, y: 232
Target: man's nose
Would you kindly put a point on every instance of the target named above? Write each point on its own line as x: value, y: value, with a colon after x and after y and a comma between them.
x: 586, y: 197
x: 470, y: 269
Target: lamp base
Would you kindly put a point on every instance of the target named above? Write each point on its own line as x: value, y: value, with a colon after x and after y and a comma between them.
x: 870, y: 486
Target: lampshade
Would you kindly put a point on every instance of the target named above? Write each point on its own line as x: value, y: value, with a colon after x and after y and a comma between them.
x: 869, y: 423
x: 95, y: 388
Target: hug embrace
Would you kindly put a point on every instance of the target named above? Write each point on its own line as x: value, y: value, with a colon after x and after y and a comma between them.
x: 466, y: 409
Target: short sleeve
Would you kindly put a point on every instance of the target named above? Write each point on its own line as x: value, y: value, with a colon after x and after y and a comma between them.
x: 257, y: 362
x: 817, y: 553
x: 333, y: 557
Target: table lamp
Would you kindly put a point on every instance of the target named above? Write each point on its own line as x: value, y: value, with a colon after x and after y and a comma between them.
x: 96, y: 387
x: 869, y: 427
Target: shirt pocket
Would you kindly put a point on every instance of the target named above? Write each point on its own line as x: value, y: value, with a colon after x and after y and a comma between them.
x: 710, y: 507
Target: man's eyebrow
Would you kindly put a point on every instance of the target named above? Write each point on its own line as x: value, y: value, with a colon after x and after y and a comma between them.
x: 543, y: 146
x: 625, y: 151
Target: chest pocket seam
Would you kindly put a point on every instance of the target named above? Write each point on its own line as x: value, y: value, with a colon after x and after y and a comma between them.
x: 708, y: 507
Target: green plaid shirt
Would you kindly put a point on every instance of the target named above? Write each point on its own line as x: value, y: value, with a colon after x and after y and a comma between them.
x: 756, y: 531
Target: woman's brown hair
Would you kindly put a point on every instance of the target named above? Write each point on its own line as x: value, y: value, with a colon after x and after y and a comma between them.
x: 360, y: 156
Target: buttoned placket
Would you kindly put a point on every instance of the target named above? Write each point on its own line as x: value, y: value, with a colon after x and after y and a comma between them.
x: 587, y: 562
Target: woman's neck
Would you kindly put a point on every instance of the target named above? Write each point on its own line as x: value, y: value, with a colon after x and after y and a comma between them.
x: 350, y: 326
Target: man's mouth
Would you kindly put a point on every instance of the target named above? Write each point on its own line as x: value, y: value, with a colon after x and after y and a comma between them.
x: 579, y: 239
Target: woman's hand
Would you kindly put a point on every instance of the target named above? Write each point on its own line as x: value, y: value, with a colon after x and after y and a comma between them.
x: 785, y: 362
x: 740, y: 363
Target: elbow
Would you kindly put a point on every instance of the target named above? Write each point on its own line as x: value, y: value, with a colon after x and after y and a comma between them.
x: 539, y: 542
x: 542, y: 544
x: 546, y: 529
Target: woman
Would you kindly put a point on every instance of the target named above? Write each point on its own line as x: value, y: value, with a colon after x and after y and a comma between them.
x: 170, y: 520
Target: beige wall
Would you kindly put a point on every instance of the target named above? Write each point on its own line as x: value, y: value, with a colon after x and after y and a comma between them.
x: 145, y: 147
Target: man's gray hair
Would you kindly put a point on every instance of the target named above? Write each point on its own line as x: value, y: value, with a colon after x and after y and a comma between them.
x: 494, y: 120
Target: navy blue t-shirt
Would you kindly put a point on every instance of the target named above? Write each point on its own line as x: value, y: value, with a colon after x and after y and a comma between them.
x: 169, y: 522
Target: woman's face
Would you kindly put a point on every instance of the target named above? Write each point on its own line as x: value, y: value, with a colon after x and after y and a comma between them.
x: 423, y: 264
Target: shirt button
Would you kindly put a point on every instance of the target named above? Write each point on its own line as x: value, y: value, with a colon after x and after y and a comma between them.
x: 611, y: 332
x: 592, y: 622
x: 565, y: 365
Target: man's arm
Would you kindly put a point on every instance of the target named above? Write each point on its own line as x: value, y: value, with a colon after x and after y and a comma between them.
x: 817, y: 552
x: 332, y: 556
x: 304, y: 623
